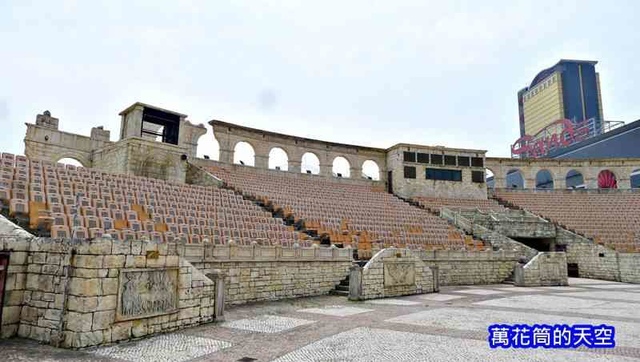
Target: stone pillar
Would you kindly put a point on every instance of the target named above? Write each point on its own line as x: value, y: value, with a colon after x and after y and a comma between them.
x: 624, y: 183
x: 262, y: 161
x: 518, y: 275
x: 355, y: 282
x: 355, y: 173
x: 217, y: 276
x: 560, y: 183
x: 591, y: 182
x: 435, y: 270
x: 530, y: 183
x: 295, y: 166
x: 326, y: 170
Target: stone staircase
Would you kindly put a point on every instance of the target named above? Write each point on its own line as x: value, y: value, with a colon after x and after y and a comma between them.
x: 342, y: 289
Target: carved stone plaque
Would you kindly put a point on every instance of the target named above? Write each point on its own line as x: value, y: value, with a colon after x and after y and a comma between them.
x: 397, y: 273
x: 147, y: 292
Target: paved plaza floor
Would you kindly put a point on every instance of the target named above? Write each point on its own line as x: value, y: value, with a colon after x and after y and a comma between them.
x: 446, y: 326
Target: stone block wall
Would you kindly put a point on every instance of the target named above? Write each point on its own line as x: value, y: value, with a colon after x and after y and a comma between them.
x: 545, y: 269
x: 471, y: 268
x: 391, y: 272
x: 598, y: 262
x: 76, y: 294
x: 629, y: 265
x: 261, y: 273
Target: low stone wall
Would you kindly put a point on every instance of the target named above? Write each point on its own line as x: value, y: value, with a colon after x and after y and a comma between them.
x: 629, y: 266
x: 545, y: 269
x: 596, y: 261
x: 391, y: 272
x: 471, y: 268
x: 76, y: 294
x: 261, y: 273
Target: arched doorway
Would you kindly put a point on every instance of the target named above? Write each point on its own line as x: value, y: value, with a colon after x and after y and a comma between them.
x: 341, y: 167
x: 544, y: 180
x: 310, y: 163
x: 607, y: 180
x: 635, y: 179
x: 370, y: 170
x: 490, y: 179
x: 574, y: 180
x: 243, y: 154
x: 70, y: 161
x: 515, y: 179
x: 278, y: 159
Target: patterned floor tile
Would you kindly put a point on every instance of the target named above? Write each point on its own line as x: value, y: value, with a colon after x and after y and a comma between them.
x: 167, y: 347
x: 381, y: 345
x: 437, y: 297
x: 267, y: 324
x: 389, y: 301
x: 336, y: 310
x: 479, y: 291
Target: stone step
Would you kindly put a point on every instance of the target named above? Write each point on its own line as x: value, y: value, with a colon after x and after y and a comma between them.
x: 340, y: 292
x: 342, y: 288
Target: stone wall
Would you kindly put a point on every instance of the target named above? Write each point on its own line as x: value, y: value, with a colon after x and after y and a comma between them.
x: 196, y: 175
x: 77, y: 294
x: 420, y: 186
x: 260, y: 273
x: 545, y: 269
x: 391, y: 272
x: 471, y: 268
x: 137, y: 156
x: 596, y: 261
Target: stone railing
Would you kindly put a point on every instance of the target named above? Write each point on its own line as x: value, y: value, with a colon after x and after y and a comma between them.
x: 235, y: 253
x: 544, y: 269
x: 496, y: 239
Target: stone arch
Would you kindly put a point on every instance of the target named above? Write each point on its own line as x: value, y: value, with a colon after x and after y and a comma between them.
x: 544, y: 179
x: 515, y: 179
x: 607, y: 180
x: 244, y: 153
x: 341, y: 167
x: 490, y: 178
x: 209, y: 147
x: 81, y: 159
x: 278, y: 159
x: 310, y: 163
x: 371, y: 170
x: 634, y: 178
x: 574, y: 179
x: 70, y: 161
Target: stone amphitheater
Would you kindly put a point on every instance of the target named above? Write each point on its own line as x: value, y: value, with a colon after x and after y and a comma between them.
x: 147, y: 252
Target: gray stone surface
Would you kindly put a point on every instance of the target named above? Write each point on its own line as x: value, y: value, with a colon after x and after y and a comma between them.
x: 390, y: 301
x: 267, y: 324
x: 336, y: 310
x: 440, y: 297
x: 479, y: 319
x: 518, y: 289
x: 607, y: 295
x: 370, y: 344
x: 560, y: 304
x: 479, y: 291
x: 169, y: 348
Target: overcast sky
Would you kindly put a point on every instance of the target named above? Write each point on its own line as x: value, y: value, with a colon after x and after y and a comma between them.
x: 361, y: 72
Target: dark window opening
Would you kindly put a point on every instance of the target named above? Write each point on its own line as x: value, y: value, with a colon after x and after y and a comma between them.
x: 160, y: 126
x: 477, y: 162
x: 409, y: 172
x: 450, y: 160
x: 464, y: 161
x: 436, y: 159
x: 409, y: 156
x: 423, y: 157
x: 443, y: 174
x: 477, y: 176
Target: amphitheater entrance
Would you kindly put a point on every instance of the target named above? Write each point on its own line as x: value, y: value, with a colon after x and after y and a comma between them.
x: 540, y: 244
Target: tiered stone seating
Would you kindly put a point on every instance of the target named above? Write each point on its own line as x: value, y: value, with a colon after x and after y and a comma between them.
x: 611, y: 218
x: 85, y: 203
x: 436, y: 203
x: 350, y: 214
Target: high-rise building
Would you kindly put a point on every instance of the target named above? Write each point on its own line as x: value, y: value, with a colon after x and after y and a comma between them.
x: 568, y: 90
